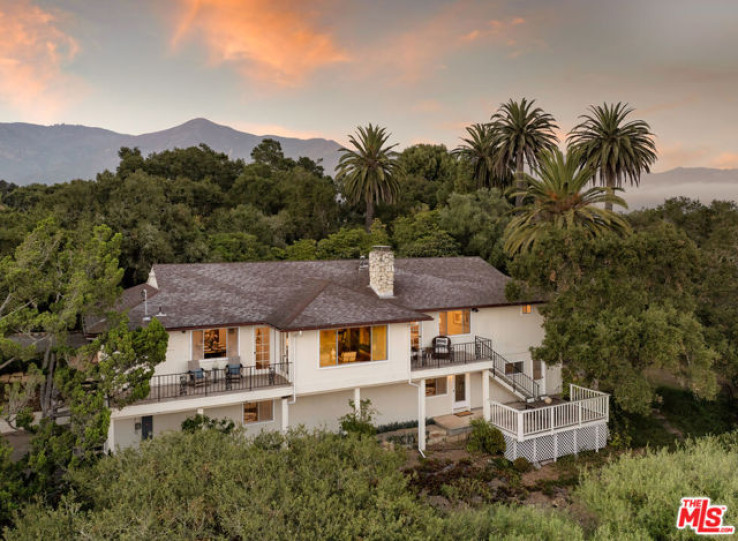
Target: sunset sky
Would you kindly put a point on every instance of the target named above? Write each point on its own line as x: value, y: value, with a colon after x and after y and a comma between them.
x: 423, y: 69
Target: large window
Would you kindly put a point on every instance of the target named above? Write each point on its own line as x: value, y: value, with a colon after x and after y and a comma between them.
x: 258, y: 412
x: 214, y: 343
x: 436, y: 386
x: 454, y: 322
x: 353, y: 345
x: 263, y: 350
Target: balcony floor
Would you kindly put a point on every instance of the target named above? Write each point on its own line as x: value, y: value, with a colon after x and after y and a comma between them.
x: 537, y: 404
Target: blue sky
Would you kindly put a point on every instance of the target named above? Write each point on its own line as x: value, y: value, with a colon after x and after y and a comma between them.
x: 423, y: 69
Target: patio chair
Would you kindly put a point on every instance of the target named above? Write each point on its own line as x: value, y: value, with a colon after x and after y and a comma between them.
x: 197, y: 374
x: 233, y: 370
x: 442, y: 348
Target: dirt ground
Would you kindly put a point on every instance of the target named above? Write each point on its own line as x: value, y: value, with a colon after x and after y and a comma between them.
x: 478, y: 478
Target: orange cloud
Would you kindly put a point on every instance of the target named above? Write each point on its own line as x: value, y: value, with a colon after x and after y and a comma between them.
x: 427, y: 106
x: 726, y: 160
x: 33, y: 51
x: 271, y: 41
x: 423, y: 48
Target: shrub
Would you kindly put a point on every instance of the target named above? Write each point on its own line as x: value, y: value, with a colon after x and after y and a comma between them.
x: 511, y: 523
x: 210, y: 485
x: 203, y: 422
x: 638, y: 497
x: 484, y: 438
x: 522, y: 464
x: 361, y: 423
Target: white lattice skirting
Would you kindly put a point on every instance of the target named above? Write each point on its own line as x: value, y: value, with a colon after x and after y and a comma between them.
x: 553, y: 446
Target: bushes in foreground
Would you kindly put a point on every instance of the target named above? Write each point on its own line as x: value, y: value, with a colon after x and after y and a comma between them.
x: 638, y: 497
x: 211, y: 485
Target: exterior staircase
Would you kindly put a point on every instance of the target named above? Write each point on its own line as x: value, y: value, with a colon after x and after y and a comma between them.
x: 517, y: 382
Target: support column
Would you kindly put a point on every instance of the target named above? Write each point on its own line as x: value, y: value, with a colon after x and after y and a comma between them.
x: 110, y: 442
x: 485, y: 396
x: 357, y: 400
x: 421, y: 415
x: 285, y: 415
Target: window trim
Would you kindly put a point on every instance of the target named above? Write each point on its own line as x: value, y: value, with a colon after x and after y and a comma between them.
x: 354, y: 364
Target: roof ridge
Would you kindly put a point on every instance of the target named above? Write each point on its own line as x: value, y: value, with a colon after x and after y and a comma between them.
x: 305, y: 302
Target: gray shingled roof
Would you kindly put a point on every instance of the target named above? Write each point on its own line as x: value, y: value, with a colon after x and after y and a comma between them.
x: 300, y: 295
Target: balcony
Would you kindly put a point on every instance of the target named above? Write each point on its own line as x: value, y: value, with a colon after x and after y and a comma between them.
x: 480, y: 350
x: 218, y: 381
x: 525, y: 421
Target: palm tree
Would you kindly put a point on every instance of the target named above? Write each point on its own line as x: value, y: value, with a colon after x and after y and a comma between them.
x: 367, y: 171
x: 558, y: 200
x: 616, y: 150
x: 480, y: 150
x: 523, y: 132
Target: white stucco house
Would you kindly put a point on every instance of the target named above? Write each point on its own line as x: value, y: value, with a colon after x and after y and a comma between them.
x: 272, y: 345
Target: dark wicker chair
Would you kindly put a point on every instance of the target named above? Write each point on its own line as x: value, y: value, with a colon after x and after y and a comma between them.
x: 442, y: 348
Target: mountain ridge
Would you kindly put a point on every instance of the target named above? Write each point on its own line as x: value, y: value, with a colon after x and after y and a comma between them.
x: 61, y: 152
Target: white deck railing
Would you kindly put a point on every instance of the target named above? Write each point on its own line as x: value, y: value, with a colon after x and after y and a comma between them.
x: 586, y: 406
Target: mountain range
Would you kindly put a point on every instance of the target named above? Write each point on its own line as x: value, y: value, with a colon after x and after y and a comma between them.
x: 49, y: 154
x: 700, y: 183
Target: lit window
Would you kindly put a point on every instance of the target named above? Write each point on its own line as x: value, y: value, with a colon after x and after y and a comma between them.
x: 526, y: 309
x: 415, y: 336
x: 214, y: 343
x: 258, y: 412
x: 353, y: 345
x: 454, y: 322
x: 263, y: 353
x: 435, y: 387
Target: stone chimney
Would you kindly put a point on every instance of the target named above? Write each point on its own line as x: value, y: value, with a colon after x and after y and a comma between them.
x: 382, y: 271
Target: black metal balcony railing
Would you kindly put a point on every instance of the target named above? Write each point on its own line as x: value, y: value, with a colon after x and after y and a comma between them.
x: 477, y: 351
x: 464, y: 353
x: 188, y: 385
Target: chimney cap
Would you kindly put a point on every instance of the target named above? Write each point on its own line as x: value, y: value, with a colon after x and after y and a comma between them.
x: 381, y: 248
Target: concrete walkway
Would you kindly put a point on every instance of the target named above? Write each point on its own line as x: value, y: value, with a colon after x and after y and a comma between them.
x: 454, y: 424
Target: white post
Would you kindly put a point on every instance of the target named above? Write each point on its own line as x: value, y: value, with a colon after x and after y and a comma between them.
x: 111, y: 437
x: 552, y: 419
x: 485, y: 396
x: 421, y: 415
x: 580, y: 414
x: 357, y: 400
x: 597, y: 438
x: 285, y: 415
x: 556, y: 446
x: 520, y: 425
